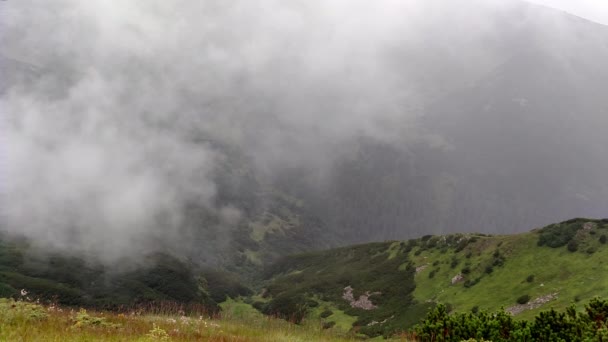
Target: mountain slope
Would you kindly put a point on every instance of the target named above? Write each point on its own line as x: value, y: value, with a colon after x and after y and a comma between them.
x: 549, y: 267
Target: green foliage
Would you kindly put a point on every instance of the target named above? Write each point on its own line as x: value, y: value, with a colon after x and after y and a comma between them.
x: 326, y: 313
x: 288, y: 306
x: 523, y: 299
x: 70, y: 281
x: 370, y: 267
x: 471, y: 282
x: 12, y: 311
x: 83, y: 319
x: 328, y: 325
x: 222, y: 285
x: 530, y: 278
x: 572, y: 246
x: 603, y: 239
x: 157, y: 334
x: 551, y: 325
x: 558, y: 235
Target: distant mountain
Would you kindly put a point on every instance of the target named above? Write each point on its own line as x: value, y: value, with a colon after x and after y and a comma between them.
x: 509, y: 133
x: 516, y: 118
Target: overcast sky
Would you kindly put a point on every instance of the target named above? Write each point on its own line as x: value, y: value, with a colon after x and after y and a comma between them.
x: 596, y: 10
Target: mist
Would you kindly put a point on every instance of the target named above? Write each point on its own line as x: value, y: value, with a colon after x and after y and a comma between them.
x: 118, y: 118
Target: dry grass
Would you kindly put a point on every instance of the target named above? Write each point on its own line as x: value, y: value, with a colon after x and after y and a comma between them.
x: 22, y: 321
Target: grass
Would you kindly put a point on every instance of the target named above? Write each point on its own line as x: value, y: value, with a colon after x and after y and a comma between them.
x: 497, y: 271
x: 574, y: 276
x: 238, y: 322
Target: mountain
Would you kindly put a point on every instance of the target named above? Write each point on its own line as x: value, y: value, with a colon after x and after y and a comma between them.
x: 473, y: 116
x: 381, y: 288
x: 515, y: 121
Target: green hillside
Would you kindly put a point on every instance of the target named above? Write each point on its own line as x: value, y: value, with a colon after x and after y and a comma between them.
x: 550, y: 267
x: 160, y: 279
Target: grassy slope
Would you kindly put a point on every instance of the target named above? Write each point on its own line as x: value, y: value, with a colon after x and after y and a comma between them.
x: 499, y: 271
x: 239, y: 323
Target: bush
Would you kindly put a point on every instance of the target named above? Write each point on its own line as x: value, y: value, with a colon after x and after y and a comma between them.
x: 326, y: 313
x: 12, y: 311
x: 454, y: 263
x: 603, y: 239
x: 571, y: 325
x: 466, y: 270
x: 471, y: 283
x: 489, y: 269
x: 530, y: 278
x: 328, y: 325
x: 558, y: 235
x: 572, y: 246
x: 523, y: 299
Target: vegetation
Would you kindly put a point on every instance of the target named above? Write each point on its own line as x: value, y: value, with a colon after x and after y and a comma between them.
x: 24, y: 321
x: 373, y: 290
x: 73, y: 282
x: 496, y: 272
x: 551, y: 325
x: 377, y: 272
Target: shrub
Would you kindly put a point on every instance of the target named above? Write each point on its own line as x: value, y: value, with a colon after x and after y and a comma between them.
x: 523, y: 299
x: 530, y: 278
x: 157, y: 334
x: 558, y: 235
x: 466, y: 270
x: 603, y: 239
x: 326, y: 313
x: 489, y: 269
x: 12, y: 311
x: 471, y: 283
x: 572, y: 246
x: 454, y: 263
x: 328, y: 325
x: 551, y: 325
x: 83, y: 319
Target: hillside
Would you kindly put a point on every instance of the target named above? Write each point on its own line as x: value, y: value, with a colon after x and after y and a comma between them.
x: 394, y: 283
x: 160, y: 280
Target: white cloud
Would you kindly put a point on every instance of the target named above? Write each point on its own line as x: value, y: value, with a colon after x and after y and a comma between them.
x: 595, y: 10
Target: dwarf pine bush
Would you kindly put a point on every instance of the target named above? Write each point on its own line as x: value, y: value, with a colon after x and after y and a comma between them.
x: 551, y: 325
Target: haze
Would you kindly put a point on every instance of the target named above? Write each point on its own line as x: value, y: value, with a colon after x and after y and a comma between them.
x: 122, y: 121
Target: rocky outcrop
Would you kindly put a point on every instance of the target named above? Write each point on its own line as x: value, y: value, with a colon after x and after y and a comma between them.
x: 363, y: 302
x: 519, y: 308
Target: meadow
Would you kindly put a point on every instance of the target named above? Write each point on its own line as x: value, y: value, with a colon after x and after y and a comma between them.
x: 22, y: 321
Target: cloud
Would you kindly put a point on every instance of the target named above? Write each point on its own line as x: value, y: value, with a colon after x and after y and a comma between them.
x: 113, y: 118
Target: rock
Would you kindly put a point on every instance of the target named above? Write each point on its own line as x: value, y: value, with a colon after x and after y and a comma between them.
x: 363, y: 302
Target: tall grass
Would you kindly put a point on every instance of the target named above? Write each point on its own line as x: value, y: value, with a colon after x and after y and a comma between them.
x: 239, y: 322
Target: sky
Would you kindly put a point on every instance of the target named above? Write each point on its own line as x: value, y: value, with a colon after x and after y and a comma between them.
x: 595, y: 10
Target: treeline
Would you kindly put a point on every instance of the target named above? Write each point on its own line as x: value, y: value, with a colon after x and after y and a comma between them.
x: 570, y: 325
